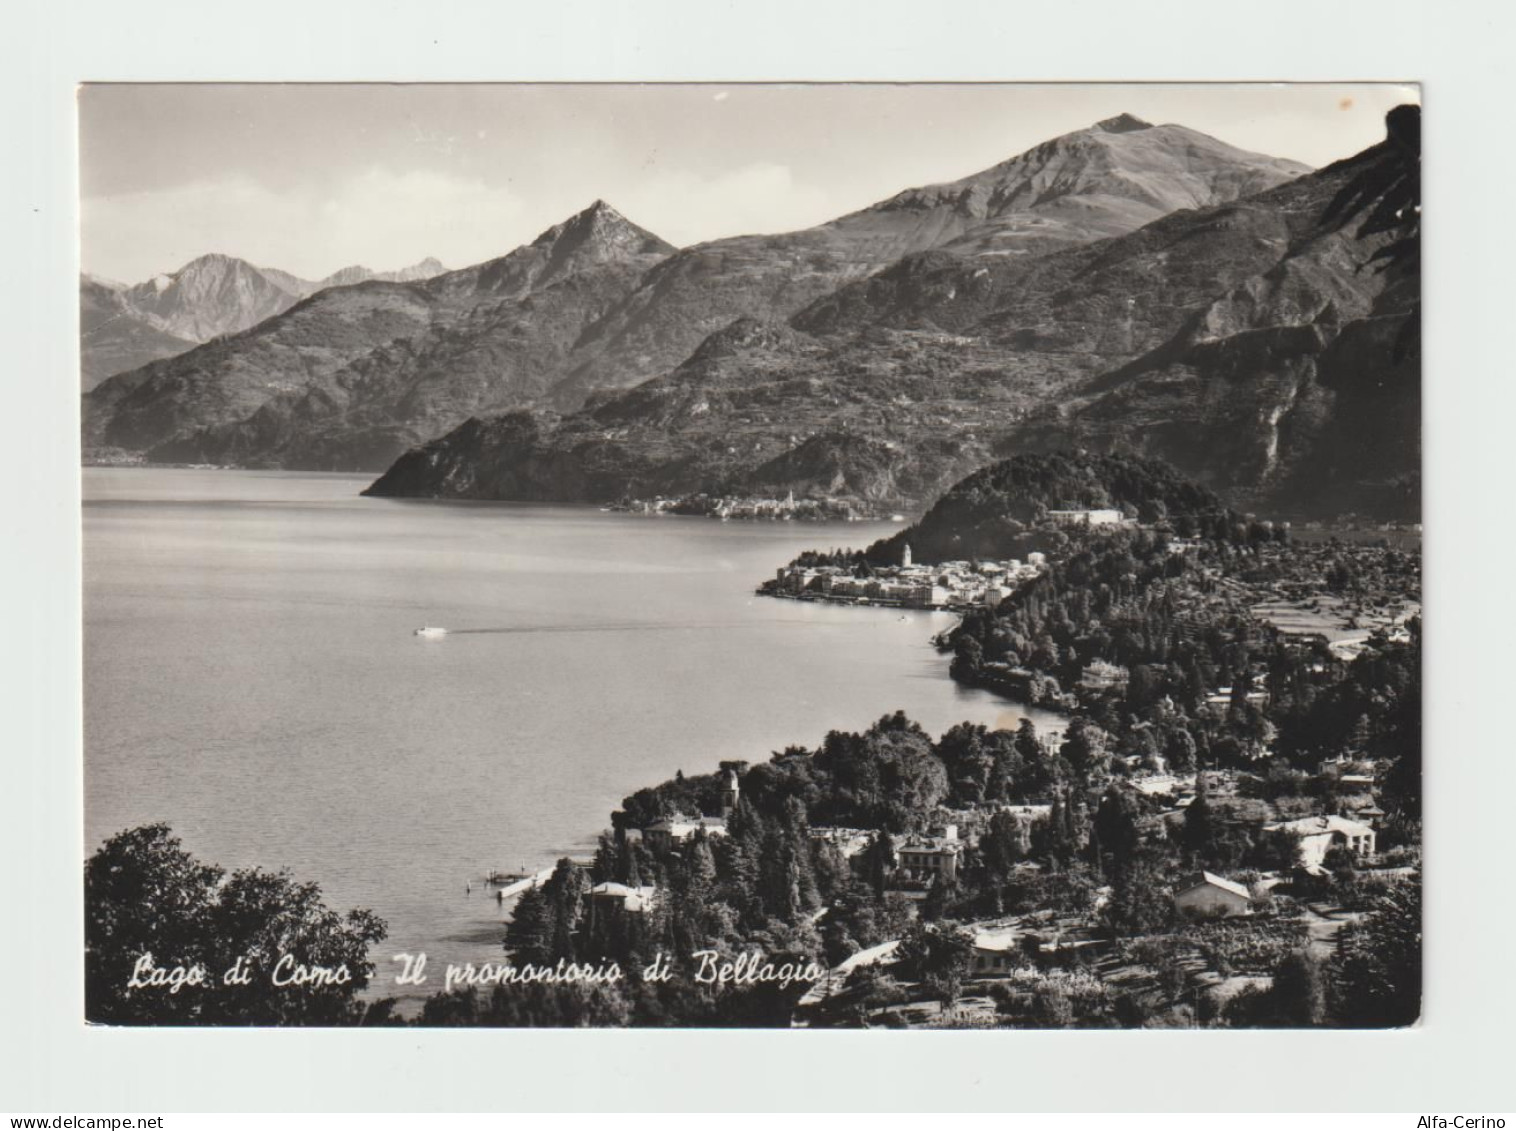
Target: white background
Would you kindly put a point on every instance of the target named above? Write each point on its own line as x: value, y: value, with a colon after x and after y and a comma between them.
x: 1458, y: 1060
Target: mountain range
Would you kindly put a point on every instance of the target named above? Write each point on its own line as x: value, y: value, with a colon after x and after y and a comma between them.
x: 125, y: 327
x: 1260, y: 343
x: 354, y: 376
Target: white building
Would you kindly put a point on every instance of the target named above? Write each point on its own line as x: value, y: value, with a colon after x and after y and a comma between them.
x: 1319, y: 835
x: 1086, y: 517
x: 674, y: 830
x: 621, y: 897
x: 1208, y: 896
x: 849, y: 842
x: 994, y: 951
x: 931, y: 857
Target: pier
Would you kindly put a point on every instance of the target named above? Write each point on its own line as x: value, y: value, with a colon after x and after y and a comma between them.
x: 522, y: 885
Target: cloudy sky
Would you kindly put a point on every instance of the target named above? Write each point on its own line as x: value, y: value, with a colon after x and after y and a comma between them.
x: 311, y: 178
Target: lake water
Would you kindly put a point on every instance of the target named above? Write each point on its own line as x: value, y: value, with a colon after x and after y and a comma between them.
x: 252, y: 678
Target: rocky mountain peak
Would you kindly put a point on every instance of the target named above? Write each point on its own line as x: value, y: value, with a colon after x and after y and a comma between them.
x: 601, y: 231
x: 208, y: 273
x: 347, y: 276
x: 212, y: 266
x: 1123, y: 124
x: 210, y: 295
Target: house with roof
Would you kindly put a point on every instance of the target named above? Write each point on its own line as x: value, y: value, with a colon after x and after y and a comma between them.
x: 612, y: 896
x: 849, y: 842
x: 1205, y: 895
x: 1319, y: 835
x: 927, y: 858
x: 1027, y: 812
x: 1098, y: 675
x: 1371, y: 815
x: 995, y: 951
x: 665, y: 834
x: 1102, y: 516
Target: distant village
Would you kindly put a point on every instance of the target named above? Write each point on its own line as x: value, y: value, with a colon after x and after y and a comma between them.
x: 948, y: 585
x: 750, y: 507
x: 951, y: 585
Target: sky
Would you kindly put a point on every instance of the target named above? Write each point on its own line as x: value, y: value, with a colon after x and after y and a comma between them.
x: 310, y: 178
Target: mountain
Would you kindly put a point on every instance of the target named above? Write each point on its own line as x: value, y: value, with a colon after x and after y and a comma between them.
x: 1250, y: 343
x: 1106, y: 180
x: 1298, y: 389
x: 124, y: 327
x: 428, y: 268
x: 207, y: 297
x: 1112, y: 177
x: 349, y: 276
x: 354, y: 375
x: 113, y: 337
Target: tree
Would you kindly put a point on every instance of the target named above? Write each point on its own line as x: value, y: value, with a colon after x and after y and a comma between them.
x: 968, y: 658
x: 968, y: 762
x: 1086, y: 747
x: 529, y: 934
x: 1141, y: 902
x: 1375, y: 975
x: 879, y: 861
x: 1028, y: 744
x: 1003, y: 843
x: 147, y: 900
x: 1300, y: 989
x: 1279, y: 850
x: 1199, y: 821
x: 566, y: 889
x: 936, y: 955
x: 1116, y: 826
x: 143, y: 894
x: 1179, y: 751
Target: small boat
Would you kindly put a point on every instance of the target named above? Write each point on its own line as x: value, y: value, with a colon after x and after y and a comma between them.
x: 427, y: 630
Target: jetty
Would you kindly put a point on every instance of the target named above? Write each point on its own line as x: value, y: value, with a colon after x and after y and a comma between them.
x: 523, y: 884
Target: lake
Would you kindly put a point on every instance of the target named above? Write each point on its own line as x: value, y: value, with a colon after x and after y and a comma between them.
x: 252, y: 678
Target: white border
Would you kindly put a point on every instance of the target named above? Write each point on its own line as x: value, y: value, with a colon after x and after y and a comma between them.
x: 1458, y: 1059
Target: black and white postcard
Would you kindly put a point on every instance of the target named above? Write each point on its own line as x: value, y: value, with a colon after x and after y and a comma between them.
x: 915, y: 556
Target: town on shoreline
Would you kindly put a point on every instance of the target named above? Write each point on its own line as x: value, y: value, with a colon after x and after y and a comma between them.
x: 1224, y: 833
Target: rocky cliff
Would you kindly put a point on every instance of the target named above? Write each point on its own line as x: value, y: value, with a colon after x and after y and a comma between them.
x: 1298, y: 388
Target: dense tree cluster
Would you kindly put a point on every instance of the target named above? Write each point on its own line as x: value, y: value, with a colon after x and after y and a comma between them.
x: 1177, y: 626
x: 994, y: 512
x: 150, y: 905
